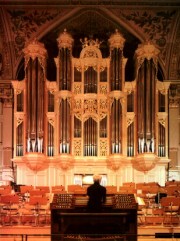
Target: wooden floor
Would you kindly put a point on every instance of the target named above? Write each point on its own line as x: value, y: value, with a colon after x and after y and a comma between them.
x: 145, y: 233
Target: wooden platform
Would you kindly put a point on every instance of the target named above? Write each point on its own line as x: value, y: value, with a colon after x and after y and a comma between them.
x: 145, y: 233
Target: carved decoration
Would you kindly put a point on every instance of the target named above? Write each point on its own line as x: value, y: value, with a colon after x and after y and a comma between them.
x: 33, y: 50
x: 19, y: 118
x: 65, y: 40
x: 77, y: 88
x: 130, y: 118
x: 51, y: 118
x: 174, y: 61
x: 78, y: 115
x: 90, y: 106
x: 145, y: 162
x: 51, y: 86
x: 77, y: 147
x: 25, y: 23
x: 129, y: 87
x: 65, y: 94
x: 116, y: 40
x: 18, y: 86
x: 163, y: 87
x: 103, y: 146
x: 148, y: 22
x: 65, y: 161
x: 103, y: 88
x: 174, y: 102
x: 115, y: 161
x: 103, y: 104
x: 162, y: 118
x: 35, y: 161
x: 77, y: 105
x: 147, y: 51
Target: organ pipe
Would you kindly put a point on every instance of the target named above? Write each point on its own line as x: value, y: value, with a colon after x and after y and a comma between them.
x: 35, y: 57
x: 146, y: 101
x: 65, y: 42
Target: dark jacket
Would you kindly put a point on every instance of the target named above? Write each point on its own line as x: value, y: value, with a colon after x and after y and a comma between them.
x: 97, y: 196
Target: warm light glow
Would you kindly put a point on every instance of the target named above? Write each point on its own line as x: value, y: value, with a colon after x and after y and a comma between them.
x: 88, y: 179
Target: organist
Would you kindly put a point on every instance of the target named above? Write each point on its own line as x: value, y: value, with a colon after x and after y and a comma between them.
x: 97, y: 195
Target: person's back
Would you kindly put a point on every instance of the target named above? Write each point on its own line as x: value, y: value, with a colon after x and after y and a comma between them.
x: 97, y: 195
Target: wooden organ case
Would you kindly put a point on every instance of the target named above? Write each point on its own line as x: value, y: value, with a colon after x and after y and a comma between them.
x: 69, y: 217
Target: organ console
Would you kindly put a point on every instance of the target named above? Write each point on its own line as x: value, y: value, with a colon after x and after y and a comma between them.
x: 69, y: 217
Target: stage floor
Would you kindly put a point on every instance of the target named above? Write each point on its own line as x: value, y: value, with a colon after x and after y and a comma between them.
x: 145, y: 233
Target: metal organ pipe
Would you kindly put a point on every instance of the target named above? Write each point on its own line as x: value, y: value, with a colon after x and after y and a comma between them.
x: 146, y: 93
x: 65, y: 42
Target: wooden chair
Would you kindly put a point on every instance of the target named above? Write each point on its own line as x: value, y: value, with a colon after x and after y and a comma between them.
x: 111, y: 189
x: 46, y: 189
x: 24, y: 189
x: 9, y: 208
x: 58, y: 189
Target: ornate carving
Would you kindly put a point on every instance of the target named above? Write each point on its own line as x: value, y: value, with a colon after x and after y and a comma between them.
x: 51, y: 86
x: 163, y: 87
x: 77, y: 88
x: 162, y: 118
x: 115, y: 161
x: 103, y: 104
x: 18, y: 86
x: 174, y: 62
x: 65, y: 161
x: 6, y: 93
x: 65, y: 94
x: 116, y: 40
x: 129, y: 87
x: 35, y: 161
x: 90, y: 42
x: 19, y: 118
x: 90, y: 106
x: 65, y: 40
x: 103, y: 88
x: 77, y: 147
x: 33, y: 50
x: 51, y: 118
x: 148, y: 22
x: 130, y: 118
x: 174, y: 102
x: 103, y: 146
x: 26, y: 22
x: 77, y: 105
x: 147, y: 51
x: 145, y: 162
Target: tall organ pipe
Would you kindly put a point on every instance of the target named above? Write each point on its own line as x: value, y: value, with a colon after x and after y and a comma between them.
x: 146, y: 93
x: 35, y: 104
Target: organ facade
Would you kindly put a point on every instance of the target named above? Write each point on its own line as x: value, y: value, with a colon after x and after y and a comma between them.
x: 90, y: 120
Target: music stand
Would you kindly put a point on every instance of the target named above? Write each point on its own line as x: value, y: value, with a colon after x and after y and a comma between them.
x: 37, y: 202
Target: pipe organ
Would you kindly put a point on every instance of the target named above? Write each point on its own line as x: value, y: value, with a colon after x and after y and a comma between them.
x: 90, y: 112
